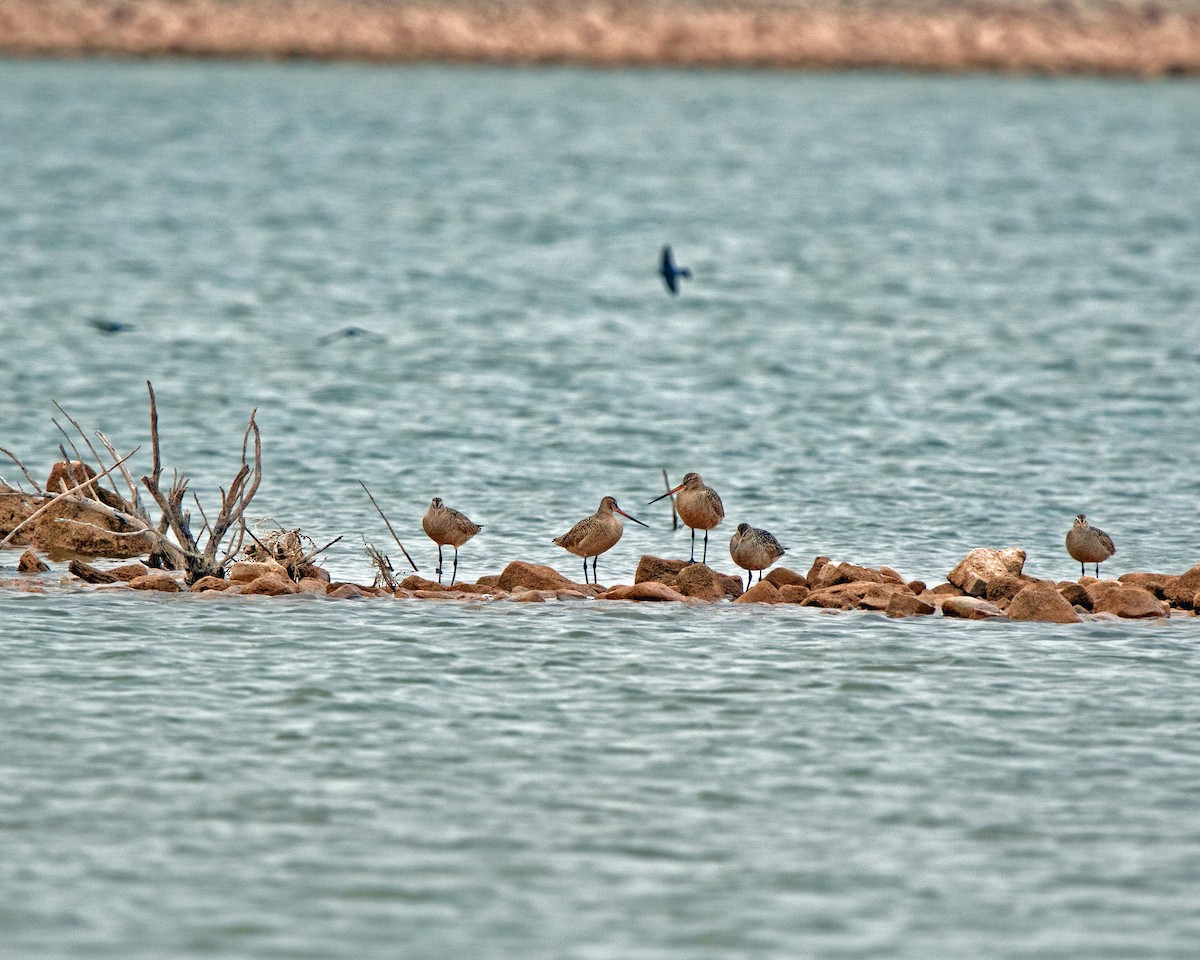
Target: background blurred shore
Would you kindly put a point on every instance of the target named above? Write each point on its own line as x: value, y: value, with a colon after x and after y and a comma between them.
x: 1150, y: 39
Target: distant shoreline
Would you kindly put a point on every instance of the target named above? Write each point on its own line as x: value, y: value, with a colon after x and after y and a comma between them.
x: 1151, y: 39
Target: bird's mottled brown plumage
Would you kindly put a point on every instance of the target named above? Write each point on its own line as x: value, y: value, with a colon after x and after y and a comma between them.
x: 753, y: 549
x: 447, y: 528
x: 1089, y: 544
x: 698, y: 506
x: 596, y: 534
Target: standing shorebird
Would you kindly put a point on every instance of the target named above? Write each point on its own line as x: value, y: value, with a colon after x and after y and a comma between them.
x: 1088, y: 544
x: 596, y: 534
x: 698, y: 507
x: 447, y: 528
x: 671, y: 273
x: 753, y: 549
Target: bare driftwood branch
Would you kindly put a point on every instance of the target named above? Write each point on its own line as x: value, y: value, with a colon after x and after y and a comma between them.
x: 134, y: 501
x: 13, y: 457
x: 383, y: 566
x: 389, y: 526
x: 674, y: 515
x: 67, y: 436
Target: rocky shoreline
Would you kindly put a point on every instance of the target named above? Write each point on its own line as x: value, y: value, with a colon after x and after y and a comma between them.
x: 1151, y: 39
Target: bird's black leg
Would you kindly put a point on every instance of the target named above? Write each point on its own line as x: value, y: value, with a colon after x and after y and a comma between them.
x: 1082, y: 570
x: 693, y: 557
x: 705, y: 559
x: 455, y: 573
x: 439, y: 563
x: 595, y: 560
x: 585, y: 579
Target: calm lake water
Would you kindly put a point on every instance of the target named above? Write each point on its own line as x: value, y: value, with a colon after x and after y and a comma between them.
x: 928, y: 314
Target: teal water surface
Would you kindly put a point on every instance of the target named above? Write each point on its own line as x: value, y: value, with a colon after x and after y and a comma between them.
x: 927, y: 314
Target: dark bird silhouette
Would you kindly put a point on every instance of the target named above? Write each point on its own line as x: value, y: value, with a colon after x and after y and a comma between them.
x: 347, y: 332
x: 670, y: 272
x: 110, y: 326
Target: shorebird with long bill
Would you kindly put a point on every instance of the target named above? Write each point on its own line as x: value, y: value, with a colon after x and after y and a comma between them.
x: 596, y: 534
x: 447, y: 528
x: 698, y: 506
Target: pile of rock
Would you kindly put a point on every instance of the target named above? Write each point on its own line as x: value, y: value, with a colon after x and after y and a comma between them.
x: 986, y: 584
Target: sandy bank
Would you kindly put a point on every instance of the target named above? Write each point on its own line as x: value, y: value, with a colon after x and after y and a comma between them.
x: 1146, y: 40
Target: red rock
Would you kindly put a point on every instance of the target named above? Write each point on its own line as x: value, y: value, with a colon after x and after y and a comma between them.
x: 246, y: 571
x: 783, y: 577
x: 646, y: 590
x: 15, y: 508
x: 794, y: 593
x: 917, y: 587
x: 346, y: 591
x: 659, y: 570
x: 534, y: 576
x: 904, y: 604
x: 1147, y: 581
x: 891, y: 576
x: 1131, y: 602
x: 1003, y: 588
x: 71, y: 529
x: 270, y: 585
x: 847, y: 596
x: 761, y: 592
x: 1041, y: 601
x: 205, y: 584
x: 817, y: 565
x: 832, y: 574
x: 947, y: 590
x: 1180, y: 591
x: 312, y: 585
x: 982, y: 565
x: 30, y: 563
x: 702, y: 582
x: 130, y: 571
x: 156, y: 581
x: 970, y: 608
x: 1075, y: 594
x: 414, y: 582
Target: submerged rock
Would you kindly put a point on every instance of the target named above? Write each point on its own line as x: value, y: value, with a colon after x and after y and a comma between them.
x: 156, y: 581
x: 970, y: 608
x: 762, y: 592
x: 31, y: 563
x: 1130, y: 602
x: 904, y: 604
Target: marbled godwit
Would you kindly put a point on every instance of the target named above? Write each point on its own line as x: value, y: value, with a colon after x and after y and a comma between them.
x: 698, y: 507
x: 1088, y: 544
x: 753, y: 549
x: 671, y: 273
x: 447, y: 528
x: 596, y: 534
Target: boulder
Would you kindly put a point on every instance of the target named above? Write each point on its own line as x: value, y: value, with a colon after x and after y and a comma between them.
x: 783, y: 577
x: 1075, y: 594
x: 891, y: 576
x: 15, y: 508
x: 761, y: 592
x: 917, y: 587
x: 311, y: 585
x: 532, y: 575
x: 870, y: 594
x: 817, y: 565
x: 527, y: 595
x: 1154, y: 582
x: 970, y: 608
x: 794, y: 593
x: 129, y: 571
x: 831, y: 574
x: 646, y: 590
x: 946, y: 590
x: 1181, y: 591
x: 156, y: 581
x: 310, y: 571
x: 904, y: 604
x: 659, y: 570
x: 270, y: 585
x: 346, y: 591
x: 72, y: 529
x: 413, y: 582
x: 246, y: 571
x: 702, y: 582
x: 982, y: 565
x: 1003, y: 588
x: 218, y: 584
x: 1131, y: 602
x: 1041, y: 601
x: 30, y: 563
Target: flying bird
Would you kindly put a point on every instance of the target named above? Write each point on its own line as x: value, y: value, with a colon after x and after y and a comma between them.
x: 670, y: 272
